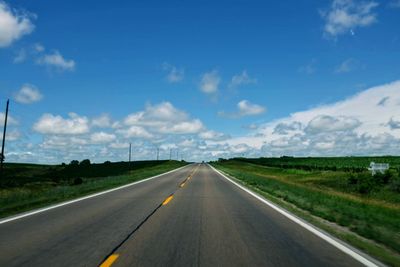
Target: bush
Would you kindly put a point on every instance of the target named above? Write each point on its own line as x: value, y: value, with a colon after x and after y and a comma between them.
x: 383, y: 178
x: 77, y: 181
x: 363, y: 182
x: 394, y: 184
x: 74, y: 162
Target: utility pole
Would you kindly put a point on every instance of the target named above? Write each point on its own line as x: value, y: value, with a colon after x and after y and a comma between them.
x: 170, y: 153
x: 158, y: 153
x: 130, y: 151
x: 4, y: 138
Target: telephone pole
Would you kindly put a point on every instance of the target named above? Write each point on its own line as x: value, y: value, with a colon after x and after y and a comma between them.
x: 4, y: 138
x: 130, y: 151
x: 170, y: 153
x: 158, y: 153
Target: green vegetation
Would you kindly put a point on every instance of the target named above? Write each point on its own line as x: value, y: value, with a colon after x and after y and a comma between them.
x: 27, y: 186
x: 355, y: 202
x: 353, y: 164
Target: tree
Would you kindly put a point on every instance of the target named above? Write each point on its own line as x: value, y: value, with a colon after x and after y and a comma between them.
x: 74, y: 162
x: 85, y: 162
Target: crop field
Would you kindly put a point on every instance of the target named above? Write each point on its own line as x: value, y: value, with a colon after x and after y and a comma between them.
x: 355, y: 206
x: 354, y: 164
x: 27, y: 186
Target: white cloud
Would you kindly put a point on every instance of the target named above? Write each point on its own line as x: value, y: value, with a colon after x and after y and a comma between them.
x: 241, y: 79
x: 102, y: 137
x: 57, y: 61
x: 13, y: 25
x: 394, y: 123
x: 210, y: 82
x: 102, y: 121
x: 38, y: 48
x: 212, y: 135
x: 358, y: 125
x: 135, y: 132
x: 10, y: 120
x: 347, y: 66
x: 346, y: 15
x: 28, y: 94
x: 174, y: 74
x: 245, y: 108
x: 325, y: 123
x: 164, y: 118
x: 118, y: 145
x: 20, y: 56
x: 11, y: 135
x: 51, y: 124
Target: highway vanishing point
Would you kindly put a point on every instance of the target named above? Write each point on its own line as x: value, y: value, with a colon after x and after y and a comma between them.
x: 193, y: 216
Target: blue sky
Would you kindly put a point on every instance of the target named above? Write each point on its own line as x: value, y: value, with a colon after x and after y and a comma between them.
x: 206, y: 79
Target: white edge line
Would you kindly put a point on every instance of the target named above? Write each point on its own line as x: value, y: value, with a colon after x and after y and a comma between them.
x: 307, y: 226
x: 26, y: 214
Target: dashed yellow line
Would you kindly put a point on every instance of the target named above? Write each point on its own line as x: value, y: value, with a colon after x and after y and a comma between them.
x: 182, y: 184
x: 110, y: 260
x: 167, y: 200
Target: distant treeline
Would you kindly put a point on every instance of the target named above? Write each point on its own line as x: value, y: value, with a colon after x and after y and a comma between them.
x: 16, y: 174
x: 347, y: 164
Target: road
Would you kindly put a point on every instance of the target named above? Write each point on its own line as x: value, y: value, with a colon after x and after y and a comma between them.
x: 173, y: 220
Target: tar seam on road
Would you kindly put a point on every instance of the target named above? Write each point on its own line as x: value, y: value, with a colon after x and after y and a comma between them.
x: 111, y: 257
x: 357, y: 255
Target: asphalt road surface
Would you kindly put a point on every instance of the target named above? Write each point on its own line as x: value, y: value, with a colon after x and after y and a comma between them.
x: 191, y: 217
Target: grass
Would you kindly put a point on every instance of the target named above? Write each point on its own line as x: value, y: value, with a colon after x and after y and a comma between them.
x: 32, y: 186
x: 370, y: 221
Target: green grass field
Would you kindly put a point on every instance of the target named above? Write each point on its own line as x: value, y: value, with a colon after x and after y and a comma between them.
x: 28, y: 186
x: 335, y: 197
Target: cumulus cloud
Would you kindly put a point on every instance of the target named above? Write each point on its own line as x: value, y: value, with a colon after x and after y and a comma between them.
x: 28, y: 94
x: 245, y: 108
x: 212, y: 135
x: 394, y: 123
x: 354, y: 126
x: 57, y: 61
x: 210, y: 82
x: 325, y: 123
x: 241, y: 79
x: 102, y: 137
x: 102, y: 121
x: 135, y: 132
x: 285, y: 128
x: 13, y: 25
x: 10, y: 120
x: 55, y: 124
x: 164, y: 118
x: 174, y: 74
x: 346, y: 15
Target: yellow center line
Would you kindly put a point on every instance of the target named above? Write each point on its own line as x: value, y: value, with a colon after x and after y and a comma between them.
x: 110, y: 260
x: 167, y: 200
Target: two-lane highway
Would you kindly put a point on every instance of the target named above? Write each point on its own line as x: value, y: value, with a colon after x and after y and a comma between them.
x: 191, y: 217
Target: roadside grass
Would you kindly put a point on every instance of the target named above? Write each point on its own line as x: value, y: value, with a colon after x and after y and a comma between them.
x: 358, y: 218
x: 43, y: 191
